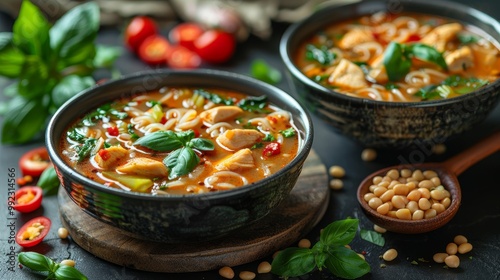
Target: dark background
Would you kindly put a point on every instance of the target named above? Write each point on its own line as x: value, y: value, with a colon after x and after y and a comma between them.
x: 478, y: 218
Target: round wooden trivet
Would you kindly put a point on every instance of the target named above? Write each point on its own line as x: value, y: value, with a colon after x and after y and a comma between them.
x: 290, y: 221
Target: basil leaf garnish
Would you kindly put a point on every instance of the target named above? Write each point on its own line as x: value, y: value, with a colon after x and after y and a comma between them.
x: 427, y: 53
x: 181, y: 162
x: 254, y: 104
x: 292, y: 262
x: 161, y: 141
x: 346, y: 263
x: 396, y: 63
x: 35, y: 261
x: 339, y: 232
x: 372, y: 236
x: 201, y: 144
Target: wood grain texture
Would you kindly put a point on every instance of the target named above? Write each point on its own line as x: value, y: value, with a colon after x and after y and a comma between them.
x: 293, y: 219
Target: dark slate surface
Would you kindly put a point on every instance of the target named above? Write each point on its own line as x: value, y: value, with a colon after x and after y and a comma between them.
x: 478, y: 217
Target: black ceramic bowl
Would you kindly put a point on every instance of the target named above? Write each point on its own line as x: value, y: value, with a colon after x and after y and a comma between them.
x: 391, y: 124
x: 176, y: 219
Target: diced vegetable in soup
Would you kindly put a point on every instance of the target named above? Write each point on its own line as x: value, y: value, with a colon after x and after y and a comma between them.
x: 401, y: 58
x: 181, y: 141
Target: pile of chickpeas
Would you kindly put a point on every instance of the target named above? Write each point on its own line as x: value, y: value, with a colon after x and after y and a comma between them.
x: 408, y: 195
x: 460, y: 245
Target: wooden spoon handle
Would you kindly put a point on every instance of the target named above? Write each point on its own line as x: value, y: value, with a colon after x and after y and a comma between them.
x: 459, y: 163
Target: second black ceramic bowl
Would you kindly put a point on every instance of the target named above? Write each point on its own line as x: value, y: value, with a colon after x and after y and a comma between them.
x: 391, y: 124
x: 175, y: 219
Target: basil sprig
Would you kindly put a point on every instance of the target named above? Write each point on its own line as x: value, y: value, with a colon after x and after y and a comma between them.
x: 397, y: 58
x: 329, y: 252
x: 50, y: 63
x: 182, y: 158
x: 39, y: 262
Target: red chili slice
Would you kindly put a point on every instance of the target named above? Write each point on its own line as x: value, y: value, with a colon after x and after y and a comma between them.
x: 272, y: 149
x: 113, y: 131
x: 33, y: 232
x: 34, y: 162
x: 28, y: 199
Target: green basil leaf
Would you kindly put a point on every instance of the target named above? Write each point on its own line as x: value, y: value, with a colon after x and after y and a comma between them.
x: 320, y: 255
x: 345, y: 263
x: 161, y: 141
x: 24, y: 119
x: 292, y: 262
x: 339, y: 233
x: 68, y: 87
x: 201, y: 144
x: 215, y: 98
x: 396, y: 62
x: 34, y: 79
x: 428, y: 53
x: 105, y: 56
x: 35, y: 261
x: 86, y: 148
x: 373, y: 237
x: 49, y: 182
x: 77, y: 27
x: 254, y: 104
x: 287, y: 133
x: 66, y: 272
x: 185, y: 136
x: 80, y: 62
x: 31, y: 31
x: 11, y: 58
x: 427, y: 92
x: 181, y: 162
x: 322, y: 54
x: 262, y: 71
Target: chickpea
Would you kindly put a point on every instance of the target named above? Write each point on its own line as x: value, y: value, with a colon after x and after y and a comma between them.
x: 424, y: 204
x: 418, y: 215
x: 446, y: 202
x: 378, y: 191
x: 336, y: 184
x: 387, y: 195
x: 226, y: 272
x: 428, y: 184
x: 68, y: 262
x: 452, y: 261
x: 439, y: 257
x: 438, y: 207
x: 264, y: 267
x: 368, y: 196
x: 412, y: 206
x: 375, y: 202
x: 464, y: 248
x: 392, y: 214
x: 460, y: 239
x: 411, y: 185
x: 436, y: 181
x: 439, y: 149
x: 425, y: 193
x: 277, y: 252
x: 336, y: 171
x: 379, y: 229
x: 247, y: 275
x: 384, y: 184
x: 418, y: 175
x: 405, y: 173
x: 384, y: 208
x: 347, y: 246
x: 398, y: 201
x: 438, y: 194
x: 429, y: 174
x: 390, y: 255
x: 62, y: 233
x: 403, y: 214
x: 401, y: 189
x: 451, y: 248
x: 377, y: 179
x: 414, y: 195
x: 368, y: 154
x: 430, y: 213
x: 393, y: 174
x: 304, y: 243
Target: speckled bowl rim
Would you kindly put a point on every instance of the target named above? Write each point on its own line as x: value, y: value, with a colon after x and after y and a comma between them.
x: 286, y: 54
x: 283, y: 96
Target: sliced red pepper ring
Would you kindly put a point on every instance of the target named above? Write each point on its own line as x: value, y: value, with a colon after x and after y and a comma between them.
x: 34, y: 162
x: 28, y: 199
x: 33, y: 232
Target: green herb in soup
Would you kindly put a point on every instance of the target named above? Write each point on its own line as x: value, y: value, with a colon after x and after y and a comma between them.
x: 403, y: 58
x: 182, y: 140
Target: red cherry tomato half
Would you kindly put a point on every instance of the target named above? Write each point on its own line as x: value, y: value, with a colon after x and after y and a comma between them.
x: 272, y: 149
x: 185, y: 34
x: 113, y: 131
x: 215, y: 46
x: 154, y: 50
x: 28, y: 199
x: 182, y: 58
x: 139, y: 28
x: 34, y: 162
x: 33, y: 232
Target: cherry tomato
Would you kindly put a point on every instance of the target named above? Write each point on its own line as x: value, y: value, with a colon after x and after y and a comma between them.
x: 138, y: 30
x: 413, y: 38
x: 272, y: 149
x: 33, y: 232
x: 34, y: 162
x: 113, y: 131
x: 182, y: 58
x: 215, y: 46
x: 28, y: 199
x: 154, y: 50
x: 185, y: 34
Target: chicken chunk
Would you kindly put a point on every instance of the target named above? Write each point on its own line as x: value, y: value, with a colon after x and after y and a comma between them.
x: 235, y: 139
x: 219, y: 114
x: 110, y: 157
x: 348, y: 74
x: 242, y: 159
x: 355, y: 37
x: 460, y: 60
x: 143, y: 167
x: 441, y: 35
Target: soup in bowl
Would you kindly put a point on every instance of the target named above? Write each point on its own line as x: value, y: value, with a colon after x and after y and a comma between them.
x: 412, y: 73
x: 179, y: 156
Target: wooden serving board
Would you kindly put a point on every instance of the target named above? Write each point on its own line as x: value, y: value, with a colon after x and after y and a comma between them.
x: 294, y: 218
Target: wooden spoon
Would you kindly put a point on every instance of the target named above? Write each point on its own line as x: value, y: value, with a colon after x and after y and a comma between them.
x: 447, y: 172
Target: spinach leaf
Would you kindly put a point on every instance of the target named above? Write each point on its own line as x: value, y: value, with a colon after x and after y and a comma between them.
x: 68, y: 87
x: 181, y: 162
x: 292, y: 262
x: 161, y: 141
x: 427, y: 92
x: 23, y: 120
x: 105, y: 111
x: 74, y: 135
x: 289, y: 132
x: 215, y: 98
x: 322, y: 54
x: 345, y: 263
x: 372, y: 236
x: 254, y: 104
x: 339, y: 232
x: 11, y: 58
x: 262, y: 71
